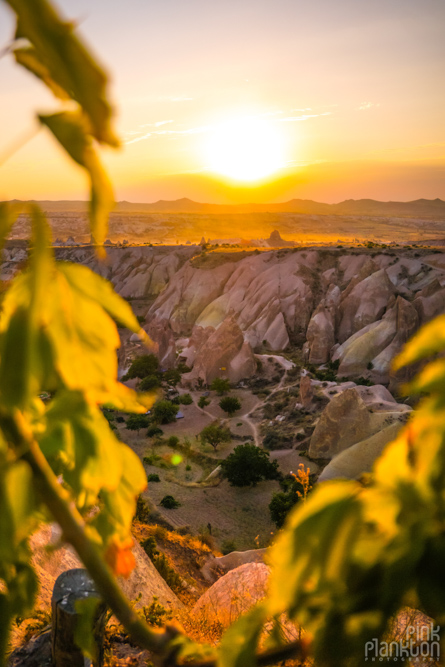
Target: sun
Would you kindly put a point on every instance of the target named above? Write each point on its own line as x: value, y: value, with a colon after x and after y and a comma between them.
x: 245, y: 149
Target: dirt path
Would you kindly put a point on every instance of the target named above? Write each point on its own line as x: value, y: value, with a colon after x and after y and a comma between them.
x: 246, y: 417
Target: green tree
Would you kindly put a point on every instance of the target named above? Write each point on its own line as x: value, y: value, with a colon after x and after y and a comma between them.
x: 146, y: 364
x: 220, y: 385
x: 149, y: 383
x: 164, y: 412
x: 215, y: 434
x: 247, y: 465
x: 230, y: 404
x: 136, y: 422
x: 203, y: 402
x: 172, y: 377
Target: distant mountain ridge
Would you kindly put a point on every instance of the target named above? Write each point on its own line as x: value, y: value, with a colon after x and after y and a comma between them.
x: 423, y: 208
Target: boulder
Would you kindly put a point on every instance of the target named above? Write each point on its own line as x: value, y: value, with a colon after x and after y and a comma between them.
x: 359, y: 458
x: 320, y: 335
x: 354, y: 414
x: 306, y: 391
x: 343, y: 422
x: 232, y: 595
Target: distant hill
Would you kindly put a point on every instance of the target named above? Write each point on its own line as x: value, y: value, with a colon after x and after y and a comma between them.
x: 420, y: 208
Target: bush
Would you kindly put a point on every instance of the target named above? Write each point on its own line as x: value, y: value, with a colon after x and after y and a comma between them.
x: 120, y: 419
x: 274, y: 440
x: 173, y: 441
x: 164, y: 412
x: 142, y: 366
x: 203, y: 401
x: 142, y: 513
x: 220, y: 385
x: 247, y: 465
x: 154, y: 430
x: 280, y: 506
x: 148, y: 383
x: 170, y: 503
x: 185, y: 399
x: 228, y: 546
x: 230, y: 404
x: 151, y: 459
x: 153, y: 477
x: 136, y: 422
x: 149, y: 546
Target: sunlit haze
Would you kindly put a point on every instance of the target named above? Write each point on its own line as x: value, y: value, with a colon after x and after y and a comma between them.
x: 242, y: 101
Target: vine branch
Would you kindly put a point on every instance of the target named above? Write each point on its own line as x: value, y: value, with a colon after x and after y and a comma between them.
x: 57, y: 499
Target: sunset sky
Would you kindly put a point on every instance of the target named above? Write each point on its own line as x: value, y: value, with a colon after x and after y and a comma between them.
x: 248, y: 100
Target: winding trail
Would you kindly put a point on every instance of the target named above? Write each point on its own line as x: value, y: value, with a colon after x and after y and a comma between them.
x: 246, y: 417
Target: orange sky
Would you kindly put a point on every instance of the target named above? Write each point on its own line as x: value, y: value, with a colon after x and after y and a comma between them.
x: 351, y: 93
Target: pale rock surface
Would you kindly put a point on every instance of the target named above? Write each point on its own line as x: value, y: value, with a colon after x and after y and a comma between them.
x: 365, y: 304
x: 226, y: 349
x: 232, y: 595
x: 359, y: 458
x: 354, y: 414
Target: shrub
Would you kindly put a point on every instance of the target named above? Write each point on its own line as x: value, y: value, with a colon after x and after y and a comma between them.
x: 228, y: 546
x: 164, y: 412
x: 149, y: 546
x: 173, y: 441
x: 156, y: 614
x: 203, y: 401
x: 230, y: 404
x: 220, y: 385
x: 247, y: 465
x: 142, y: 510
x: 170, y: 503
x: 120, y: 419
x: 185, y: 399
x: 153, y: 477
x: 188, y: 467
x: 154, y: 430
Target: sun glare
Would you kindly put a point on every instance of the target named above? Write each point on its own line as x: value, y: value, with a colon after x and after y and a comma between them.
x: 246, y: 149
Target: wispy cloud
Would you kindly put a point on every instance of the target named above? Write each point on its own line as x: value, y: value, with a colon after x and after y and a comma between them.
x: 364, y: 106
x: 191, y: 130
x: 292, y: 119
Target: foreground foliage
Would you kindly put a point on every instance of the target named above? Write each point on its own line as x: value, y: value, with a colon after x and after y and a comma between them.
x: 347, y: 559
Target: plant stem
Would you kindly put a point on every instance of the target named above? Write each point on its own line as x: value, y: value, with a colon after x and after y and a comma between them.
x: 57, y: 499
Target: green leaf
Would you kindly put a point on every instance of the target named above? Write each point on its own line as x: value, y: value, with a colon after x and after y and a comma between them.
x: 97, y: 288
x: 28, y: 58
x: 8, y: 215
x: 58, y: 51
x: 239, y: 642
x: 426, y: 342
x: 83, y: 632
x: 72, y: 132
x: 17, y: 508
